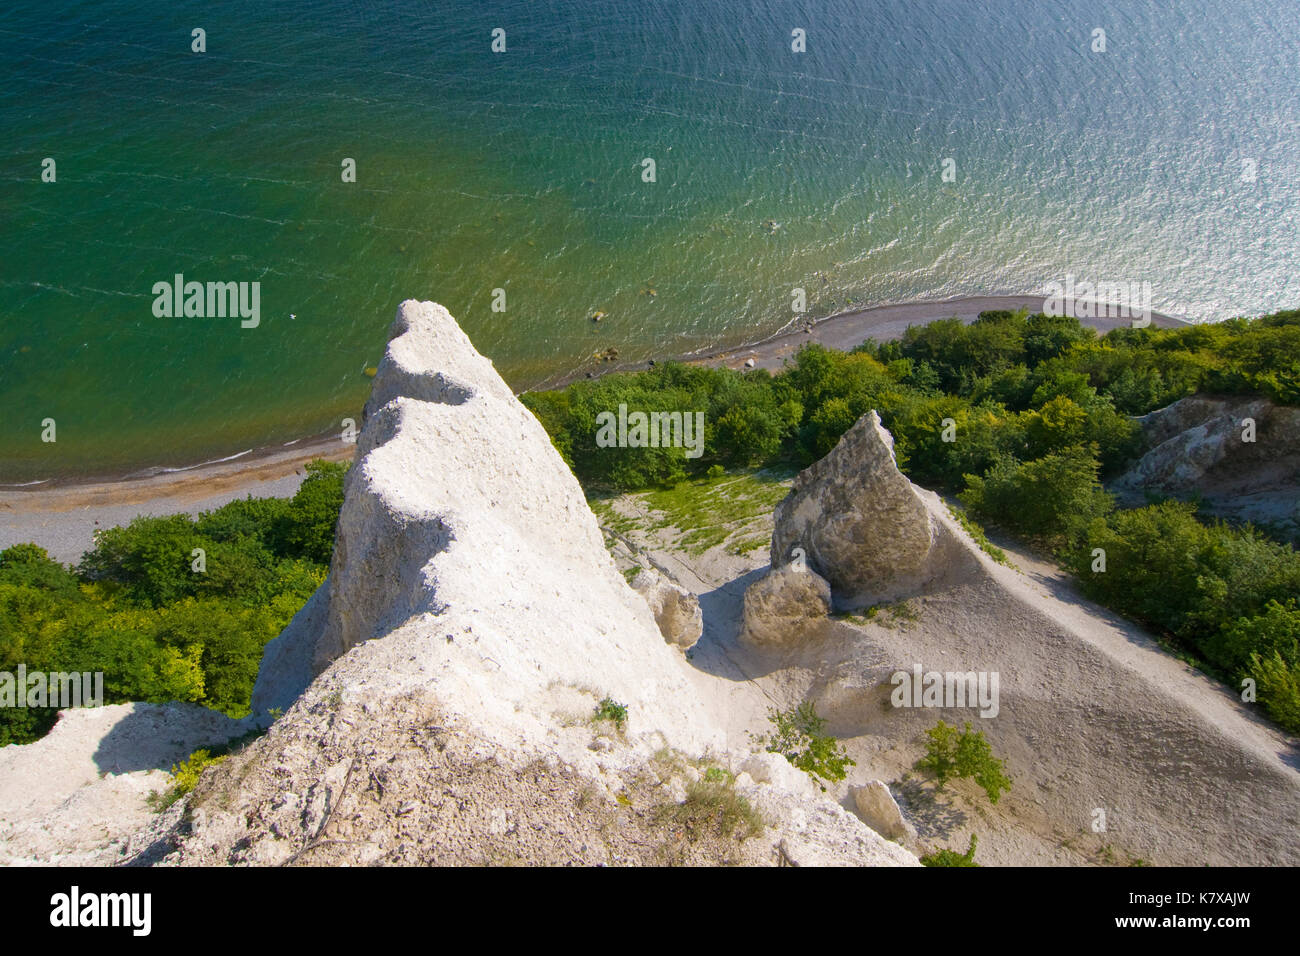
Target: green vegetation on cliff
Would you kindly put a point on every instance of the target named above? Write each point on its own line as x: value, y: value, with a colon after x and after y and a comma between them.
x: 1022, y: 417
x: 168, y: 608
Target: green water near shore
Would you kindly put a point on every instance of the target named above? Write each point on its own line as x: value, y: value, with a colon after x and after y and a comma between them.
x: 522, y: 171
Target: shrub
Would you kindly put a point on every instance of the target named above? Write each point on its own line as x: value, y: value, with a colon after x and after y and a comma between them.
x: 1276, y: 630
x: 150, y: 558
x: 610, y: 709
x: 955, y: 754
x: 1279, y: 688
x: 825, y: 427
x: 749, y: 432
x: 951, y: 857
x: 1226, y: 592
x: 1050, y: 498
x: 185, y: 777
x: 306, y: 530
x: 800, y: 739
x: 257, y: 518
x: 26, y: 565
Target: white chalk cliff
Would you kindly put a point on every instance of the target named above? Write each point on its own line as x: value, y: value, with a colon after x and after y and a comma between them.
x: 438, y: 689
x: 1239, y: 455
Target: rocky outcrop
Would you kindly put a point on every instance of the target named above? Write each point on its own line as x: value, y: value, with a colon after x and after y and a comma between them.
x: 440, y: 687
x: 1194, y: 436
x: 785, y: 607
x: 862, y: 525
x: 676, y: 610
x: 76, y: 796
x: 1239, y: 456
x: 878, y: 810
x: 463, y: 532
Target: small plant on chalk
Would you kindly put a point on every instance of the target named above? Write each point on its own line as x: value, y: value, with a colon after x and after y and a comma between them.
x: 801, y: 739
x: 185, y: 777
x: 953, y: 754
x: 610, y: 709
x: 719, y: 775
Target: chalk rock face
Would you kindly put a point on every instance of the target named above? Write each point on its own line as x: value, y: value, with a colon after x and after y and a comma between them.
x: 1200, y: 446
x: 439, y: 688
x: 676, y: 610
x: 467, y: 544
x: 1191, y: 437
x: 785, y: 607
x: 78, y: 794
x: 861, y: 524
x: 878, y: 809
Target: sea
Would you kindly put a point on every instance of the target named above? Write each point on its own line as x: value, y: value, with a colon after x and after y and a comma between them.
x: 681, y: 166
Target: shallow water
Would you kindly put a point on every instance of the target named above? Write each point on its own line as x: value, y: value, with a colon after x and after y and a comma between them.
x: 523, y: 171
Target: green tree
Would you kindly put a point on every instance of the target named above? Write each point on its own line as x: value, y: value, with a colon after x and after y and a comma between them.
x: 30, y: 566
x: 307, y: 526
x: 800, y: 737
x: 956, y: 754
x: 1051, y: 498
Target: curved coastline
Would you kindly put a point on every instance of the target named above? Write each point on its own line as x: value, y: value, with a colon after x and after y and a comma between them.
x: 62, y: 514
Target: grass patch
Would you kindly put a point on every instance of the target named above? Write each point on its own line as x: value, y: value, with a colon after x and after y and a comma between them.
x: 608, y: 516
x: 972, y: 528
x: 746, y: 545
x: 886, y: 615
x: 709, y: 511
x: 712, y: 807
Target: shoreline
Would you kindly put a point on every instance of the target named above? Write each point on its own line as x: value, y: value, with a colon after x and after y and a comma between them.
x: 282, y: 455
x: 61, y: 514
x: 847, y: 330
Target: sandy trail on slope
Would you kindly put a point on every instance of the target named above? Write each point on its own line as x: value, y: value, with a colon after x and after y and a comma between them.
x: 1034, y: 622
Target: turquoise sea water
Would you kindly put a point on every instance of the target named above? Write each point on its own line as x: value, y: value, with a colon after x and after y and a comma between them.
x: 523, y: 171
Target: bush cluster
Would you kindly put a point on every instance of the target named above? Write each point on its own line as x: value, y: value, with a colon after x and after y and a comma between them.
x: 1227, y: 594
x: 135, y: 609
x: 1041, y: 412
